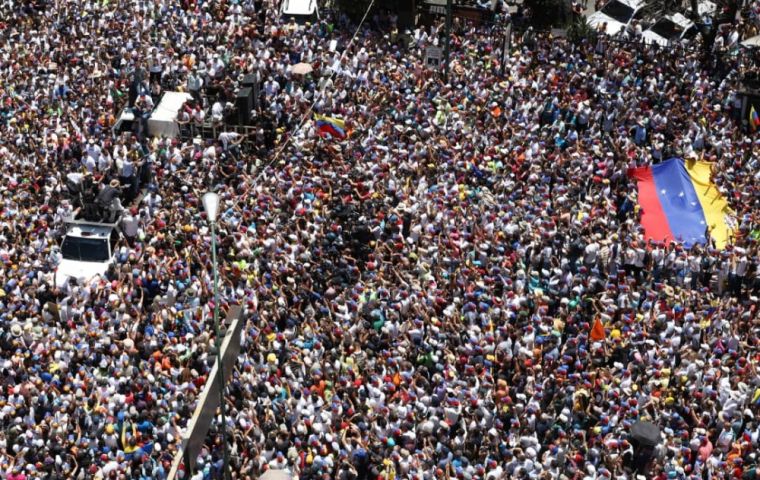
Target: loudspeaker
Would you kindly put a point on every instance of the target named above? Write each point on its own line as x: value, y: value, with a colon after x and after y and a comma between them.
x: 244, y: 103
x: 249, y: 80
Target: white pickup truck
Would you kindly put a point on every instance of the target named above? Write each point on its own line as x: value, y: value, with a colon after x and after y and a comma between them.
x: 88, y: 249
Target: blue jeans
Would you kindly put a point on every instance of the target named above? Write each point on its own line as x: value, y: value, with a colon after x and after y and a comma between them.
x: 61, y: 92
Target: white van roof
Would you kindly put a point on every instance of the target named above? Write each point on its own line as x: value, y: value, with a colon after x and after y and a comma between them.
x: 299, y: 7
x: 89, y: 230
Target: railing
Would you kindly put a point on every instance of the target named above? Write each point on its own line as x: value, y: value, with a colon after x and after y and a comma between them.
x: 211, y: 131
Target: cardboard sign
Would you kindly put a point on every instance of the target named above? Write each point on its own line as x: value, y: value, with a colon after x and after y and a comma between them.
x: 434, y: 57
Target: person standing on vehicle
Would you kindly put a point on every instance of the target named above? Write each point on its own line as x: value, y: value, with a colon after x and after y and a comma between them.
x: 194, y: 85
x: 128, y: 176
x: 155, y: 67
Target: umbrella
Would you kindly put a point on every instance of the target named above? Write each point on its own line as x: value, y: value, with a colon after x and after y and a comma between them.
x: 276, y: 475
x: 752, y: 42
x: 301, y: 68
x: 646, y: 433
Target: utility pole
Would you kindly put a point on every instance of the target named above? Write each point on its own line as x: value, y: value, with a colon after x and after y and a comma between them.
x: 447, y: 45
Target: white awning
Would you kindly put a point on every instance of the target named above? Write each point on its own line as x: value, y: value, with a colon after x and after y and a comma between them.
x: 163, y: 120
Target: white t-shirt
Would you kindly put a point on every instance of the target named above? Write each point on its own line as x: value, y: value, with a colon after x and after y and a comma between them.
x: 155, y: 64
x: 153, y: 201
x: 591, y: 251
x: 210, y: 153
x: 130, y: 225
x: 127, y: 168
x: 227, y: 137
x: 90, y: 164
x: 93, y: 151
x: 742, y: 264
x: 640, y: 256
x: 217, y: 110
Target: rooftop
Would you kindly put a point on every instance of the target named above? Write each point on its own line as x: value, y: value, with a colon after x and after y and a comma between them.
x: 92, y: 230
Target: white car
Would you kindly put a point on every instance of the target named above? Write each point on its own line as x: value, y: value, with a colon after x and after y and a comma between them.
x: 618, y: 14
x: 300, y: 10
x: 670, y: 29
x: 87, y: 250
x: 676, y: 28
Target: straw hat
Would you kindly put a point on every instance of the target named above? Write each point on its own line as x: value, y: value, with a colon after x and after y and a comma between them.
x: 16, y: 329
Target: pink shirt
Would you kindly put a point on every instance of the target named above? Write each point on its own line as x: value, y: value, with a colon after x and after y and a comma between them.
x: 705, y: 450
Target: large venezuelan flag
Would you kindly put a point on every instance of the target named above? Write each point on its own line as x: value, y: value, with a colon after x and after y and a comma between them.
x: 678, y: 202
x: 330, y: 125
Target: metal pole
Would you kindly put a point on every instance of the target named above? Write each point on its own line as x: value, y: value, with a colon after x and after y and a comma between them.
x: 447, y: 46
x: 503, y: 48
x: 222, y: 408
x: 507, y: 29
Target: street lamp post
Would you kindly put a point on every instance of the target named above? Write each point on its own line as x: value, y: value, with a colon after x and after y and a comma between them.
x: 447, y: 45
x: 211, y: 206
x: 507, y: 44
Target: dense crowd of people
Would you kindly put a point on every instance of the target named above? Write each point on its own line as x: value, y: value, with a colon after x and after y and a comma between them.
x: 419, y: 295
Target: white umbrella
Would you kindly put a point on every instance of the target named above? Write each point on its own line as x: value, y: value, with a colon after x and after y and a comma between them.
x: 752, y: 42
x: 301, y: 68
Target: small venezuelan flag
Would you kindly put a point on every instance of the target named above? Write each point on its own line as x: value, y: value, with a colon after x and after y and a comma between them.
x: 335, y: 127
x: 754, y: 118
